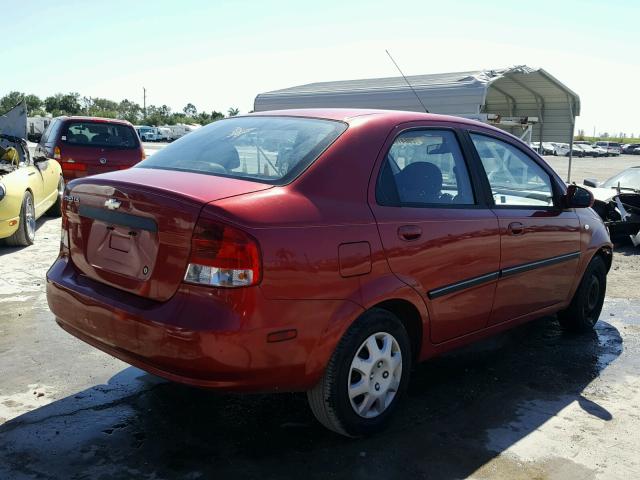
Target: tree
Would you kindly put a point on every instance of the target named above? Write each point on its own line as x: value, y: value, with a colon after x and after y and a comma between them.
x: 34, y: 105
x: 190, y: 110
x: 130, y: 111
x: 580, y: 135
x: 10, y: 100
x: 61, y: 104
x: 99, y: 107
x: 233, y: 111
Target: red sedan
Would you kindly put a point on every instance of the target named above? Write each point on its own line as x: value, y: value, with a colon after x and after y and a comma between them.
x: 324, y: 251
x: 90, y: 145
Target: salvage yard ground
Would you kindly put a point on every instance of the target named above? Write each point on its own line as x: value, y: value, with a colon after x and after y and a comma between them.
x: 532, y: 403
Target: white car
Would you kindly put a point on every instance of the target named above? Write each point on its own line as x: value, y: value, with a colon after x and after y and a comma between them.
x: 611, y: 148
x: 560, y: 149
x: 148, y: 134
x: 601, y: 151
x: 163, y: 134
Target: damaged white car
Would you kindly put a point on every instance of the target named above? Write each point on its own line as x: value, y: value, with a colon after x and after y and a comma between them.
x: 617, y: 201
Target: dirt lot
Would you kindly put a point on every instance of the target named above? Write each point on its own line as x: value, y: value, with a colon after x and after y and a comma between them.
x: 532, y: 403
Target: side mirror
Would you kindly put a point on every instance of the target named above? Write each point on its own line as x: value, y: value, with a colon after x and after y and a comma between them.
x: 578, y: 197
x: 590, y: 182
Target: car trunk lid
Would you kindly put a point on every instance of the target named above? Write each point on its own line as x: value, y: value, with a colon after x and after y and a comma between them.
x: 137, y: 236
x: 99, y: 159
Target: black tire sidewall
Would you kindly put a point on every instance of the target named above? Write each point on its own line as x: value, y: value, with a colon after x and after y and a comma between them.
x: 574, y: 318
x: 376, y: 320
x: 597, y: 268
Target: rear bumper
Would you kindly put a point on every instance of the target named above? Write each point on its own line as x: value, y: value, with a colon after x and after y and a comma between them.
x: 211, y: 338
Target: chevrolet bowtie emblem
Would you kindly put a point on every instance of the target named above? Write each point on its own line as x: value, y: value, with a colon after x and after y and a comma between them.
x: 112, y: 204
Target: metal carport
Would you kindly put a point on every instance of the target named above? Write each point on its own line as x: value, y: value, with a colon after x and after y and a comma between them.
x: 512, y: 99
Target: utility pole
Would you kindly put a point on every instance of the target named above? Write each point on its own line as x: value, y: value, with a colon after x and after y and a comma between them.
x: 144, y: 101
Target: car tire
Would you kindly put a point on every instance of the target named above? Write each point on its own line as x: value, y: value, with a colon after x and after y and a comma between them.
x: 586, y: 305
x: 56, y: 209
x: 376, y: 351
x: 25, y: 235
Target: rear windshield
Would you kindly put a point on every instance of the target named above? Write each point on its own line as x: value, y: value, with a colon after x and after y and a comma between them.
x: 273, y: 150
x: 99, y: 134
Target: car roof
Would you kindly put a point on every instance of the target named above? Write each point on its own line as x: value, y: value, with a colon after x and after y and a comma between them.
x: 80, y: 118
x: 348, y: 114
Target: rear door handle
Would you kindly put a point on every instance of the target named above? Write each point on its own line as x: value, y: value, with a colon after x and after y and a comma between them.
x: 409, y: 232
x: 516, y: 228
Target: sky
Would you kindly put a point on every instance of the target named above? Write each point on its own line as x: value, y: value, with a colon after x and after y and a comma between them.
x: 218, y: 54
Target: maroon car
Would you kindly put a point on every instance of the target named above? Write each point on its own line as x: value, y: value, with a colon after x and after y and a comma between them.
x: 324, y: 251
x: 90, y: 145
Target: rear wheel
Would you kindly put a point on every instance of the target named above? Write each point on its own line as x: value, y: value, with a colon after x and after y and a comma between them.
x: 26, y: 232
x: 365, y: 377
x: 56, y: 209
x: 585, y: 308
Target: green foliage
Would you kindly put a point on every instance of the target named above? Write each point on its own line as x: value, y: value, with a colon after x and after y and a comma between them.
x: 10, y: 100
x: 74, y: 104
x: 35, y: 106
x: 609, y: 138
x: 63, y: 104
x: 190, y: 110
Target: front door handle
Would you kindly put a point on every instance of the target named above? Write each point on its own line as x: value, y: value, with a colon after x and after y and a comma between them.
x: 409, y: 232
x: 516, y: 228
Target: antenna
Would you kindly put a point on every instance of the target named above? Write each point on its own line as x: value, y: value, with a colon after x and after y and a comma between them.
x: 405, y: 79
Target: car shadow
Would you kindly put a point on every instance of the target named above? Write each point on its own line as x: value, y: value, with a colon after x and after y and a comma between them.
x: 462, y: 410
x: 6, y: 249
x: 625, y: 248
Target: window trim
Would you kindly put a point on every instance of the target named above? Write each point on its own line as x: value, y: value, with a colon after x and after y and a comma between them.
x: 556, y: 190
x: 457, y: 134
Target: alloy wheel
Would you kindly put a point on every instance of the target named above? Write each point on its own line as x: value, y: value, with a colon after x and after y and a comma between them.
x: 30, y: 217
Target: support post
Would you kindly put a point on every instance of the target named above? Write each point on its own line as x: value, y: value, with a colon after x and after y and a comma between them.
x: 573, y: 126
x: 572, y: 119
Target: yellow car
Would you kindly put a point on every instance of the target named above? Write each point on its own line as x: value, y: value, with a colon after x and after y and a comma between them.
x: 29, y: 187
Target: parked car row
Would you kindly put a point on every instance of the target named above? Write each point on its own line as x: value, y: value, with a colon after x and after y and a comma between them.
x: 631, y: 149
x: 599, y: 149
x: 167, y: 133
x: 550, y: 148
x: 584, y: 149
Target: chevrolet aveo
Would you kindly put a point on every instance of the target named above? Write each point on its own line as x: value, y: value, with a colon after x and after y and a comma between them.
x: 324, y: 251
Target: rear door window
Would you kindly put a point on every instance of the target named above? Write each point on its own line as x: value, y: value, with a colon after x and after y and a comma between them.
x: 424, y: 168
x: 99, y: 134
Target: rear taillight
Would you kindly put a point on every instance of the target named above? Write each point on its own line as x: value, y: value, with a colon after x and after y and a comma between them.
x: 78, y: 167
x: 223, y: 256
x: 57, y: 155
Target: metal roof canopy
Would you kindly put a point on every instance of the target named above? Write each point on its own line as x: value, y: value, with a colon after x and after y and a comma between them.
x: 518, y: 91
